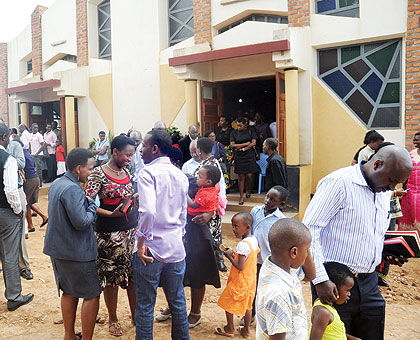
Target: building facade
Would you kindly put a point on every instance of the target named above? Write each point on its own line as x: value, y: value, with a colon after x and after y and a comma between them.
x: 325, y: 71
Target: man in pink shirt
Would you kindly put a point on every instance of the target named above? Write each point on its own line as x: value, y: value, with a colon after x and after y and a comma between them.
x: 36, y: 145
x: 50, y: 139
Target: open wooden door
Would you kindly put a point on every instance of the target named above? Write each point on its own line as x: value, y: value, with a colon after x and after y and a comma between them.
x: 211, y: 105
x: 281, y: 113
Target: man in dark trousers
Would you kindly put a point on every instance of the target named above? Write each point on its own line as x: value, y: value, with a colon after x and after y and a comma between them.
x: 10, y: 225
x: 276, y: 173
x: 348, y: 218
x: 184, y: 143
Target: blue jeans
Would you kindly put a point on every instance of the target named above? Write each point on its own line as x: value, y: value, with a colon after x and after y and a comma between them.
x: 146, y: 280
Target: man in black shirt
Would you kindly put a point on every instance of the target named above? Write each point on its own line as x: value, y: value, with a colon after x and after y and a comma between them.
x: 276, y: 173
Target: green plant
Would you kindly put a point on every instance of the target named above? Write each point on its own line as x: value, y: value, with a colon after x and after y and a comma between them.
x: 92, y: 144
x: 174, y: 131
x: 110, y: 138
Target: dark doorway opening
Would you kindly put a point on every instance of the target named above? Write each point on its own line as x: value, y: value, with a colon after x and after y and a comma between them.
x: 44, y: 113
x: 246, y: 98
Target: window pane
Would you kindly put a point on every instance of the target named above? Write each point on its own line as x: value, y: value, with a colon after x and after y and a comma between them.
x: 349, y: 53
x: 370, y: 47
x: 357, y: 70
x: 396, y: 70
x: 360, y: 105
x: 181, y: 22
x: 209, y: 92
x: 325, y: 5
x: 387, y: 117
x: 382, y: 58
x: 339, y: 83
x: 391, y: 93
x: 345, y: 3
x: 327, y: 60
x: 372, y: 86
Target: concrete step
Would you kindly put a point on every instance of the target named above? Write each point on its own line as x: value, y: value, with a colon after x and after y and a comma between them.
x: 247, y: 206
x: 227, y: 224
x: 255, y: 198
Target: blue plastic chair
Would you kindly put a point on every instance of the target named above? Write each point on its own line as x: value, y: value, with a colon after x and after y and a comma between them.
x: 262, y: 163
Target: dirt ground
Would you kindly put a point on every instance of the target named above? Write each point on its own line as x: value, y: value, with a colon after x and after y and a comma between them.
x: 35, y: 321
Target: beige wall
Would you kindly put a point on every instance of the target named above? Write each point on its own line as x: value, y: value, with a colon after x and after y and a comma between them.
x: 337, y: 135
x: 172, y: 96
x: 100, y: 92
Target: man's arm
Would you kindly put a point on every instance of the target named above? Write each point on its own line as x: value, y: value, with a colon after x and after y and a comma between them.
x: 17, y: 151
x: 10, y: 181
x: 278, y: 174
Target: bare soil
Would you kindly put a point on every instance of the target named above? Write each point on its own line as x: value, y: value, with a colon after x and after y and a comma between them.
x: 35, y: 321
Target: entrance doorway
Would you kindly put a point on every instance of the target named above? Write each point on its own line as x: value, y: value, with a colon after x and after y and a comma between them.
x: 245, y: 98
x: 44, y: 113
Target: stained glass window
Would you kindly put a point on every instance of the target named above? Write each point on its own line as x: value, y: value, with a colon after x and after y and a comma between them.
x: 367, y: 78
x: 342, y: 8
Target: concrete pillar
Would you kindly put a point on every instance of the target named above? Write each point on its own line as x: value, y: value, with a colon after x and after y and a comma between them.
x: 70, y: 123
x: 24, y: 113
x: 191, y: 102
x: 292, y: 116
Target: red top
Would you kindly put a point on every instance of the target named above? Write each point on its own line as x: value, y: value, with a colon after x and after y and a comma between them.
x: 208, y: 200
x: 59, y: 154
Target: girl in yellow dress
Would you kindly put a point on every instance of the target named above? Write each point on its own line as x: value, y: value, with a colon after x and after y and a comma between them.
x: 326, y: 322
x: 239, y: 293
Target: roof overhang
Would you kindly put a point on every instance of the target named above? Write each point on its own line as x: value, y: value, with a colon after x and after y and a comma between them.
x: 33, y: 86
x: 233, y: 52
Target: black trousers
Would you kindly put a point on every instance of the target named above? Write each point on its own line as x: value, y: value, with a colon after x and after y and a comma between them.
x: 255, y: 297
x: 364, y: 314
x: 52, y: 168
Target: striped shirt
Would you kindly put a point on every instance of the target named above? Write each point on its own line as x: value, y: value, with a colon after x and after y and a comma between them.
x: 279, y: 304
x: 348, y: 222
x: 10, y: 182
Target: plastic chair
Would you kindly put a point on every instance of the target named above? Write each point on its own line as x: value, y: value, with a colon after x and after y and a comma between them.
x: 262, y: 163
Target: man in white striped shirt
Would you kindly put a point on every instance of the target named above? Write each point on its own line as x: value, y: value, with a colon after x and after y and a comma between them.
x: 10, y: 225
x: 348, y: 218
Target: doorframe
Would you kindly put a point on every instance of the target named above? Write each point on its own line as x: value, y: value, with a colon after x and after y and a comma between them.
x: 280, y: 105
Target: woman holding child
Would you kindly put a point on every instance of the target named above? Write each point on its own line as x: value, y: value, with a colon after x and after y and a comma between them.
x: 115, y: 230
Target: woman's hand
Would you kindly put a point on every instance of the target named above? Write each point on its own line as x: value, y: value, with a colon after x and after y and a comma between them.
x: 202, y: 218
x: 135, y: 199
x: 116, y: 212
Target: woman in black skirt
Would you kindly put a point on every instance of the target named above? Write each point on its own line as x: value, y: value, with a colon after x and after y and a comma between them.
x: 243, y: 141
x: 71, y: 244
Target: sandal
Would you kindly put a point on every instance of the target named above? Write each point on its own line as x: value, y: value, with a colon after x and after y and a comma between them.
x: 44, y: 223
x: 192, y: 325
x: 31, y: 230
x: 241, y: 331
x: 79, y: 335
x: 241, y: 203
x: 248, y: 195
x: 221, y: 331
x: 115, y: 329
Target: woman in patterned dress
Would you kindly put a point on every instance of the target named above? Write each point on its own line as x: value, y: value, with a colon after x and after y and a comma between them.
x: 115, y: 231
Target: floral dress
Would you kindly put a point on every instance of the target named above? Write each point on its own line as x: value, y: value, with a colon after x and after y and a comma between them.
x: 115, y: 236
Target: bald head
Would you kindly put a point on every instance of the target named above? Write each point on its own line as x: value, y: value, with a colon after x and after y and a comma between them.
x: 287, y: 233
x: 159, y: 125
x: 136, y: 137
x: 193, y: 132
x: 388, y: 167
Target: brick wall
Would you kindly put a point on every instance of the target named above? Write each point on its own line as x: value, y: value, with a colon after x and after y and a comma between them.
x: 298, y: 13
x: 37, y: 40
x: 82, y: 33
x: 202, y: 21
x: 4, y: 108
x: 412, y: 74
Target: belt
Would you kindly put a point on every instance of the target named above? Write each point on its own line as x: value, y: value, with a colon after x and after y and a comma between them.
x: 361, y: 275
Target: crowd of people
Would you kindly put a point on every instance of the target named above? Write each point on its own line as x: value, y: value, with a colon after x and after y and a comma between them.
x: 139, y: 214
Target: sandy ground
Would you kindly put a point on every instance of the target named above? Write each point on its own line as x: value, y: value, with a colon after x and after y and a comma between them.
x: 35, y: 321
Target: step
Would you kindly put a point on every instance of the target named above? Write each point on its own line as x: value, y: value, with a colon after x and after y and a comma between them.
x: 247, y: 206
x: 255, y: 198
x: 227, y: 219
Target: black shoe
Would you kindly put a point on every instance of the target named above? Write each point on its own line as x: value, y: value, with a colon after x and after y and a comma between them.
x: 13, y: 305
x: 382, y: 282
x: 222, y: 267
x: 26, y: 274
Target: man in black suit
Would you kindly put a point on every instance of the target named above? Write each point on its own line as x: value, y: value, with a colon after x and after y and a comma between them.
x: 276, y: 173
x: 184, y: 143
